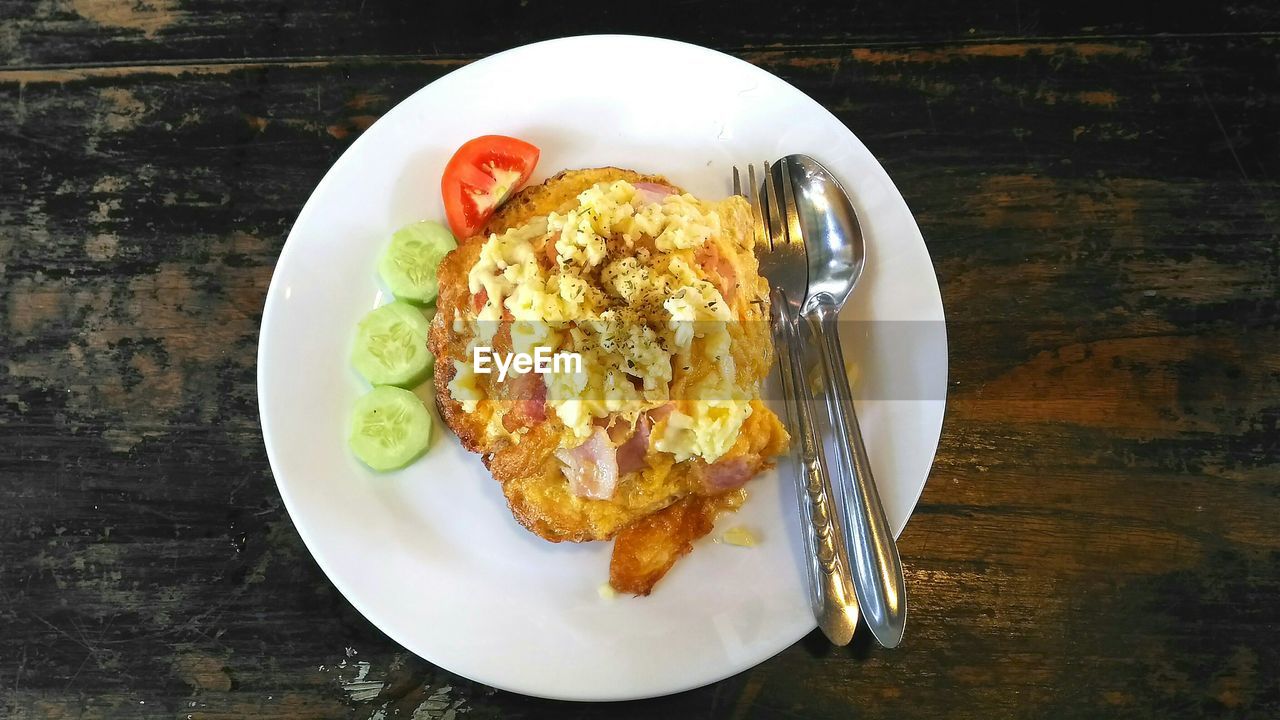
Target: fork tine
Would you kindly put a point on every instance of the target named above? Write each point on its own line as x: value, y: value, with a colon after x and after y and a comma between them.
x: 777, y: 221
x: 792, y: 219
x: 753, y: 194
x: 737, y: 183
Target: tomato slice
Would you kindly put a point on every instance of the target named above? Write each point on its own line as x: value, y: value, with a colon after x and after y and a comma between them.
x: 480, y: 176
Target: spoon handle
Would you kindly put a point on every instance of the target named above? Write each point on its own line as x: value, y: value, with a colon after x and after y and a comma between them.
x: 830, y: 587
x: 877, y: 570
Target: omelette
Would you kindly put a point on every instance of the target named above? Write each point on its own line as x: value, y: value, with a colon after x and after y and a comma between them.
x: 660, y: 425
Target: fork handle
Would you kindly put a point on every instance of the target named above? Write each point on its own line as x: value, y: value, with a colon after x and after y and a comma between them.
x: 877, y: 569
x: 830, y: 589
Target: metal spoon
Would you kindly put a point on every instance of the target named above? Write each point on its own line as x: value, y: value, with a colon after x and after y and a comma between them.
x: 837, y: 254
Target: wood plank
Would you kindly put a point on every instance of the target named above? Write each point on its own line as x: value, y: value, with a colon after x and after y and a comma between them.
x: 113, y: 31
x: 1098, y: 535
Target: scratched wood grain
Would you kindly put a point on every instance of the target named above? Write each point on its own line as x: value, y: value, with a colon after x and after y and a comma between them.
x: 1098, y: 537
x: 113, y: 31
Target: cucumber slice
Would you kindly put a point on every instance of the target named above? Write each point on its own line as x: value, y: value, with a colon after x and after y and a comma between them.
x: 390, y: 428
x: 409, y: 263
x: 391, y: 346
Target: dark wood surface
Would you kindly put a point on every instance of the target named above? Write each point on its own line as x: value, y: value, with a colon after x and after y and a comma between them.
x: 1099, y: 187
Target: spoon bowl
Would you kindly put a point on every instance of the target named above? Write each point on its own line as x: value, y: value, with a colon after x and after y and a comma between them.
x: 832, y: 234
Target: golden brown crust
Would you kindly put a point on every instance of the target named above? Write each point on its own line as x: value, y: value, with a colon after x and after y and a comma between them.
x: 648, y: 547
x: 527, y: 459
x: 447, y: 347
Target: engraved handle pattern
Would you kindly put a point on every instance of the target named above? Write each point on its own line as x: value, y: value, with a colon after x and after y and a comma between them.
x: 830, y: 587
x: 876, y: 571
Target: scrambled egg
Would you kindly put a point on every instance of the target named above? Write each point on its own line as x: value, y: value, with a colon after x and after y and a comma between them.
x: 615, y: 279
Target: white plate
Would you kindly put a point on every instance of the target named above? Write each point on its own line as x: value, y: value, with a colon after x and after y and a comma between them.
x: 431, y: 554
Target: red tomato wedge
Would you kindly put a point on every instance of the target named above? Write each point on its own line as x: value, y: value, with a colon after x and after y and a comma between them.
x: 480, y: 176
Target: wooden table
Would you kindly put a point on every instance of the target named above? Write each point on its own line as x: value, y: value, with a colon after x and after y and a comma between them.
x: 1098, y: 184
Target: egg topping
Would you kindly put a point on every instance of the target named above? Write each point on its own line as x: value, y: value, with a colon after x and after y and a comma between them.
x: 618, y: 280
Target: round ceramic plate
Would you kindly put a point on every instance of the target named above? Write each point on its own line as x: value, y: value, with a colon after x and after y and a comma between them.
x: 431, y: 554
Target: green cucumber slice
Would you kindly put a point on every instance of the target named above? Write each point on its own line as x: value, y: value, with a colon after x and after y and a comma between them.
x: 390, y: 428
x: 391, y: 346
x: 408, y: 265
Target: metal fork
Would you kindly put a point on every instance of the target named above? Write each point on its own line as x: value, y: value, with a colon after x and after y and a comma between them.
x: 783, y: 263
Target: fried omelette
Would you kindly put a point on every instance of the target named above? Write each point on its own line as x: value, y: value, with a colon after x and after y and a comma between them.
x: 660, y: 295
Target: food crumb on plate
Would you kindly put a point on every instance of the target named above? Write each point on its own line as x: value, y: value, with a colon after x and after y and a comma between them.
x: 607, y: 592
x: 739, y: 536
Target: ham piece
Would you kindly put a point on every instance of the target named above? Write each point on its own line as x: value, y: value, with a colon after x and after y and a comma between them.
x: 726, y: 475
x: 631, y: 453
x: 722, y: 272
x: 529, y: 393
x: 592, y: 467
x: 648, y: 192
